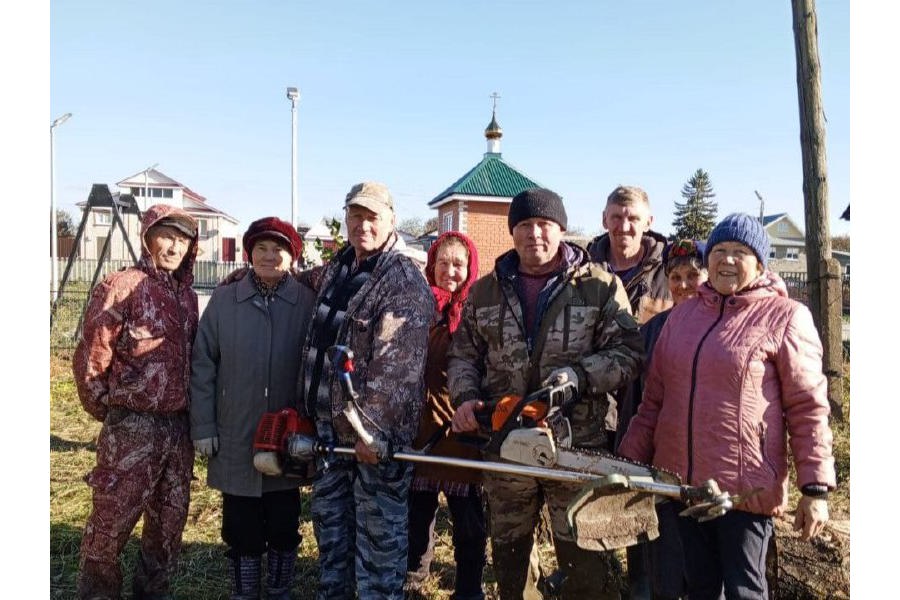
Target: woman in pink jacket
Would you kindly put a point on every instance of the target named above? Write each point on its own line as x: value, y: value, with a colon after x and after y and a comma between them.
x: 734, y: 371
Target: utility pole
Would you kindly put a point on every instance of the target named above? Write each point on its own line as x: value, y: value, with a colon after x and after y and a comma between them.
x: 54, y: 234
x: 822, y: 271
x: 762, y: 207
x: 293, y: 94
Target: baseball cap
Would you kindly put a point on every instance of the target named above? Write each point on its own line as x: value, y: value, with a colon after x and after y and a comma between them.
x: 370, y: 194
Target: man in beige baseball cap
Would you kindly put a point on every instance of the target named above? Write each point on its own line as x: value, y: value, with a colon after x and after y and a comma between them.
x: 370, y: 217
x: 374, y: 300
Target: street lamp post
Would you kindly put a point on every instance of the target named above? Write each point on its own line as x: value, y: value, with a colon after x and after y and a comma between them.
x: 147, y: 185
x: 293, y: 95
x: 54, y: 243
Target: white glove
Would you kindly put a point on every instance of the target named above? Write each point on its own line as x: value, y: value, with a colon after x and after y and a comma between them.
x: 560, y: 376
x: 207, y: 446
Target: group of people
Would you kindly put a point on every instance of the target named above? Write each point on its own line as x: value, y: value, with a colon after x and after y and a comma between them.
x: 709, y: 389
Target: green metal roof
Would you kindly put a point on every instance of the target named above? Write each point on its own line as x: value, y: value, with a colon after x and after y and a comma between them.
x: 490, y: 177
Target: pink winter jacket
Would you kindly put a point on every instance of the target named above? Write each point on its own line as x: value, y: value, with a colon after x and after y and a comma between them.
x: 729, y: 378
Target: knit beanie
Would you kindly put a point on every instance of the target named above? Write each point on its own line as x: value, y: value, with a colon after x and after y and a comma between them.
x: 273, y: 228
x: 740, y: 227
x: 537, y: 202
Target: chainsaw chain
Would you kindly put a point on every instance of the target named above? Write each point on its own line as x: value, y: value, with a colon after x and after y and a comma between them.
x: 668, y: 476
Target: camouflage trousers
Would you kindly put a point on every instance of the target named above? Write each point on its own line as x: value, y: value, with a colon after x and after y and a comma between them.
x: 144, y: 465
x: 514, y: 506
x: 359, y: 515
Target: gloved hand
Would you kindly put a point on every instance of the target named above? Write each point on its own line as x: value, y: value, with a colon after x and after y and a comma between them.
x: 560, y: 376
x: 207, y: 446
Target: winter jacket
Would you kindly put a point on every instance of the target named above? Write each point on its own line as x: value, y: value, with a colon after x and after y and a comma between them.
x: 729, y: 378
x: 245, y: 364
x: 585, y: 323
x: 386, y: 326
x: 139, y: 326
x: 648, y: 290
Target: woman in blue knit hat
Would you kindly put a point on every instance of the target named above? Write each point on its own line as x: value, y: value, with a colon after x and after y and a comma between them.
x: 734, y: 372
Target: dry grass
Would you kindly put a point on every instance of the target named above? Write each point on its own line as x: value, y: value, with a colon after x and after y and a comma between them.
x: 201, y: 571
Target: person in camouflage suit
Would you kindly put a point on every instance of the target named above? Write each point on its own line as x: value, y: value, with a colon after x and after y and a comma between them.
x: 545, y: 314
x: 373, y: 299
x: 132, y: 371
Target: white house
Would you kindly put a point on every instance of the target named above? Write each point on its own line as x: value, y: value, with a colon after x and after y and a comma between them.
x: 219, y: 234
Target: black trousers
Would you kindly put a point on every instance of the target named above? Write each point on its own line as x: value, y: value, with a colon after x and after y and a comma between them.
x: 252, y: 525
x: 469, y: 539
x: 726, y: 557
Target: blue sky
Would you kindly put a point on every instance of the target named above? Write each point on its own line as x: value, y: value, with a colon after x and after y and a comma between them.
x: 593, y: 94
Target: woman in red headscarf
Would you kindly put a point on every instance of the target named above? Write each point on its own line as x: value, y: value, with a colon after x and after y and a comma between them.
x: 451, y: 270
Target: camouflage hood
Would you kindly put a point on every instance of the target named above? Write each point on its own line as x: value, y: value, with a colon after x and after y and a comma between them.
x: 153, y: 215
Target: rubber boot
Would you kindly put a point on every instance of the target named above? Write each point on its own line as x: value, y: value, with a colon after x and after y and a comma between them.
x: 587, y: 573
x: 280, y: 573
x: 244, y: 575
x: 516, y: 569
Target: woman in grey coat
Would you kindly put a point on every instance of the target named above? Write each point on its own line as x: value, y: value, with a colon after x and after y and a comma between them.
x: 245, y: 363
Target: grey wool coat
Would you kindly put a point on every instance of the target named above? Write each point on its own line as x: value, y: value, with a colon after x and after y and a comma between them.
x: 245, y: 363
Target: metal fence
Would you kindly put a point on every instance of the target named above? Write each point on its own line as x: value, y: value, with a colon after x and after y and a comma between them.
x: 798, y: 288
x: 207, y: 274
x: 65, y: 320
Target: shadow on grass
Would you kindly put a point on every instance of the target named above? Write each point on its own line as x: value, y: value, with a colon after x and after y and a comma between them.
x: 58, y: 444
x: 201, y: 573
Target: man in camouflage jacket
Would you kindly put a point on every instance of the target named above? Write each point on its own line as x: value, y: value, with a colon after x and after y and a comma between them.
x: 545, y: 313
x: 374, y: 299
x: 132, y: 371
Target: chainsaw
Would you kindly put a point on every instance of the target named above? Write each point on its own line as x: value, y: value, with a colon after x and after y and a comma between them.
x: 532, y: 438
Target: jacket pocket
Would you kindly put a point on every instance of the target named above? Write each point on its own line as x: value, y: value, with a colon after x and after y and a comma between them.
x: 360, y: 337
x: 764, y: 453
x: 144, y: 337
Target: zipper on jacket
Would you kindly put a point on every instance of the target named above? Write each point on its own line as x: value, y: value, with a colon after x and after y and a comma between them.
x: 690, y: 440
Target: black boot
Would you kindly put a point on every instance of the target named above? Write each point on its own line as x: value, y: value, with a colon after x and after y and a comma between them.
x: 280, y: 575
x: 244, y: 575
x: 588, y: 573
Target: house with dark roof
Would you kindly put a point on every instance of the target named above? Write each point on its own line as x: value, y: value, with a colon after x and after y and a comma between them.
x: 477, y: 203
x: 788, y: 246
x: 219, y: 237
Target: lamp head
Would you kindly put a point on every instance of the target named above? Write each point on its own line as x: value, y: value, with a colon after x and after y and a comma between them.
x: 60, y: 120
x: 293, y: 93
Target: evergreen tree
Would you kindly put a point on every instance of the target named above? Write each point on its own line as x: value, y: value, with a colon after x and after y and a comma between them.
x: 696, y: 216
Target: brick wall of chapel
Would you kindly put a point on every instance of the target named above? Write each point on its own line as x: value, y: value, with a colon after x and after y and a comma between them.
x: 485, y: 223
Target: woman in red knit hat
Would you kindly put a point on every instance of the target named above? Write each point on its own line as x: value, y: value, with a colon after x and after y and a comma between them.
x: 451, y: 270
x: 245, y: 363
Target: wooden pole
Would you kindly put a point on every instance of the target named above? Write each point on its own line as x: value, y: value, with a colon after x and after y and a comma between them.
x: 825, y: 306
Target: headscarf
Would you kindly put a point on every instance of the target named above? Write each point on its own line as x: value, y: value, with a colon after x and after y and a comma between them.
x: 449, y: 304
x: 684, y: 248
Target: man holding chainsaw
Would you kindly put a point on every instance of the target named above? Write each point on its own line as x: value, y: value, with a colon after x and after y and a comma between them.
x: 545, y: 315
x: 374, y: 301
